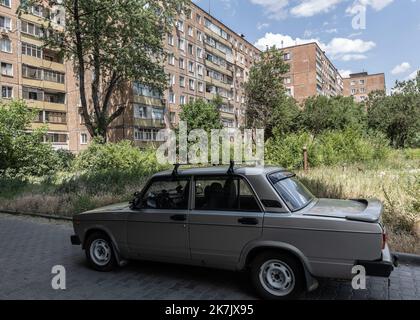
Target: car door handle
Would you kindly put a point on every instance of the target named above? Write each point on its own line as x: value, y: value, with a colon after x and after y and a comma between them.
x: 179, y: 217
x: 248, y: 221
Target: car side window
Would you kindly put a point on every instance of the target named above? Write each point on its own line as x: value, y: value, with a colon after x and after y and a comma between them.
x: 167, y: 194
x: 224, y: 194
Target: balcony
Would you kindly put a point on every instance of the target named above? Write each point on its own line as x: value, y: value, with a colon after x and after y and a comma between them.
x: 147, y: 101
x: 219, y: 83
x: 61, y: 127
x: 52, y: 64
x: 150, y: 123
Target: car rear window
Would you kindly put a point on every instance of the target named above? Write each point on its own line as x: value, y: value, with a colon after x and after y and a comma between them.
x: 291, y: 190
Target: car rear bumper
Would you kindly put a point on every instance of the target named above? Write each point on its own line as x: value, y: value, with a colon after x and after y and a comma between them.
x: 75, y: 240
x: 381, y: 268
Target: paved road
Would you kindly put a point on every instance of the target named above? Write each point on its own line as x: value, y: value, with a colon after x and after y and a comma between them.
x: 31, y: 247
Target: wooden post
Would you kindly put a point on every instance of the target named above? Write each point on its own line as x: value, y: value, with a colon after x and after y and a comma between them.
x: 305, y: 159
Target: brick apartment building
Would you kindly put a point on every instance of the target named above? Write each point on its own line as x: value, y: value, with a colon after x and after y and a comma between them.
x: 311, y: 73
x: 206, y: 59
x: 360, y: 85
x: 31, y: 73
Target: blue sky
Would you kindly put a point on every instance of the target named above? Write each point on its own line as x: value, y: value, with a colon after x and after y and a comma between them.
x: 384, y: 38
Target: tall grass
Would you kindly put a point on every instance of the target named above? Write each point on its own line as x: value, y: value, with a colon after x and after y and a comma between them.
x: 395, y: 182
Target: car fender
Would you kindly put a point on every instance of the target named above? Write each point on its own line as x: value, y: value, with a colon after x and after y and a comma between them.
x: 114, y: 243
x: 311, y: 282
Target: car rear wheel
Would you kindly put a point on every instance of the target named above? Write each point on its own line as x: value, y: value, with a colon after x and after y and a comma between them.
x: 100, y: 253
x: 277, y: 276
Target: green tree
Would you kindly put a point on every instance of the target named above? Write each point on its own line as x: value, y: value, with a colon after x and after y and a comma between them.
x: 111, y: 43
x: 322, y: 113
x: 21, y: 151
x: 268, y: 106
x: 202, y: 115
x: 397, y: 115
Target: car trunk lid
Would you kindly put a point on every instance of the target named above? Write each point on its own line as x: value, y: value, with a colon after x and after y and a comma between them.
x: 354, y: 210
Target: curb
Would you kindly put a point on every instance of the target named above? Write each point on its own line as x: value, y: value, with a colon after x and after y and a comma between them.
x: 408, y: 258
x: 37, y: 215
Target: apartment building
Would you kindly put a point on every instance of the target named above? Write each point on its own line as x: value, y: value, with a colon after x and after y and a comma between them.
x: 360, y: 85
x: 311, y: 73
x: 205, y: 59
x: 32, y: 73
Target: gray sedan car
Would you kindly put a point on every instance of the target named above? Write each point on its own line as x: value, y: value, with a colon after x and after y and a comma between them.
x: 262, y: 220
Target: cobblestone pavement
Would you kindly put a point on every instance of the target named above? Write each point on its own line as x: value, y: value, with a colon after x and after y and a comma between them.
x: 31, y: 247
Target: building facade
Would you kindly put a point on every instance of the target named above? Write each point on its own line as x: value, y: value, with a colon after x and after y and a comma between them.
x: 205, y: 59
x: 32, y: 73
x: 311, y: 73
x: 360, y: 85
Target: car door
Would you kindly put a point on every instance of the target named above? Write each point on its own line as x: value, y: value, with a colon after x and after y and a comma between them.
x: 158, y: 229
x: 226, y: 216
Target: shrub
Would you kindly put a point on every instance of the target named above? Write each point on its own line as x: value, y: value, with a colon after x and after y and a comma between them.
x: 122, y: 156
x: 23, y: 153
x: 329, y: 148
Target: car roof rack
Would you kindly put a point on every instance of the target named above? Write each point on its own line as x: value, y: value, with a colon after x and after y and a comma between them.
x: 231, y: 167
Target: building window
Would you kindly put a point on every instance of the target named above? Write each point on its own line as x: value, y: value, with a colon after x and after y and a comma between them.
x: 171, y: 59
x: 190, y: 31
x: 145, y: 91
x: 181, y: 44
x: 198, y: 18
x: 83, y: 138
x: 200, y: 36
x: 172, y: 97
x: 147, y: 135
x: 6, y: 92
x: 170, y: 39
x: 191, y: 84
x: 6, y: 3
x: 31, y: 50
x: 353, y: 91
x: 7, y: 69
x: 200, y: 53
x: 54, y: 76
x: 201, y: 87
x: 55, y: 117
x: 181, y: 63
x: 5, y: 22
x: 191, y: 67
x: 31, y: 72
x: 32, y: 94
x: 190, y: 49
x: 287, y: 80
x: 31, y: 29
x: 182, y: 81
x: 140, y: 111
x: 182, y: 100
x: 6, y: 45
x: 362, y: 82
x: 362, y: 90
x: 353, y: 83
x: 58, y: 138
x: 180, y: 25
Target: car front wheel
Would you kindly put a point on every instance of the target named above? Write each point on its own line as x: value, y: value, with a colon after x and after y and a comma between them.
x: 100, y: 253
x: 277, y: 276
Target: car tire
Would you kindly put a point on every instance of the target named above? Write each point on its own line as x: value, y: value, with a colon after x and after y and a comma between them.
x: 100, y: 252
x: 277, y: 276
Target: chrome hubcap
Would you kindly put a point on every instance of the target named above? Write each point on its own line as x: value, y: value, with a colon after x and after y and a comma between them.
x: 277, y: 278
x: 100, y: 252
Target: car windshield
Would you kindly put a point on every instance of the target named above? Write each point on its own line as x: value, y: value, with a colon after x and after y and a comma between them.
x: 292, y: 191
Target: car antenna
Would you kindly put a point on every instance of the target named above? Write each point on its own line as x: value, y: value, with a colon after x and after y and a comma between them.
x: 175, y: 172
x: 232, y: 167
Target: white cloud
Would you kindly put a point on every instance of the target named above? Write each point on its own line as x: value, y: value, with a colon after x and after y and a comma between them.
x: 279, y: 40
x: 345, y: 73
x: 376, y: 5
x: 401, y: 68
x: 338, y: 48
x: 344, y: 45
x: 275, y: 9
x: 309, y: 8
x: 261, y: 26
x: 350, y: 57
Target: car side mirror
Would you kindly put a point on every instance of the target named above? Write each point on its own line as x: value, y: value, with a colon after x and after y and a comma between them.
x: 271, y: 204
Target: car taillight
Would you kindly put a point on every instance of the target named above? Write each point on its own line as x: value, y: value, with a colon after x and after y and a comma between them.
x: 384, y: 239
